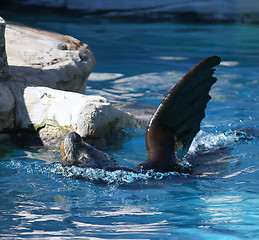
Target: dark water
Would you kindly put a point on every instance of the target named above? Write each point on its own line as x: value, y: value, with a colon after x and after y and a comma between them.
x: 139, y: 63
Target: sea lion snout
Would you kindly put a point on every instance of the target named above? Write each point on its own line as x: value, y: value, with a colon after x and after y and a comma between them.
x: 74, y: 151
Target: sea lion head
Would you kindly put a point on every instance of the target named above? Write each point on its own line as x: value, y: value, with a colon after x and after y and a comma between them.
x: 74, y: 151
x: 70, y: 149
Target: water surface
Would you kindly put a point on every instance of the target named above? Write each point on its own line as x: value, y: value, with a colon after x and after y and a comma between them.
x: 139, y: 63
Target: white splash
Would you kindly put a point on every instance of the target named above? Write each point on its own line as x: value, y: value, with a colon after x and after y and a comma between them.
x: 110, y: 177
x: 206, y: 141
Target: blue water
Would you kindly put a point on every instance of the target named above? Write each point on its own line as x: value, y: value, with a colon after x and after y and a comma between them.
x: 139, y: 63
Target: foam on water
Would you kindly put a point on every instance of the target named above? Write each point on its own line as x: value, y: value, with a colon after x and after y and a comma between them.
x: 118, y: 177
x: 206, y: 141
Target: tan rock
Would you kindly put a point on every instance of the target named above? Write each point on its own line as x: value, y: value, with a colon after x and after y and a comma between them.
x: 48, y: 59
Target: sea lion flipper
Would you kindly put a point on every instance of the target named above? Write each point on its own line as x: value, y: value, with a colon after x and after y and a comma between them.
x: 177, y: 119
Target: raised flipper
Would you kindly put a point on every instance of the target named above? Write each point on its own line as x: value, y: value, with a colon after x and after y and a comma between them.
x: 177, y: 119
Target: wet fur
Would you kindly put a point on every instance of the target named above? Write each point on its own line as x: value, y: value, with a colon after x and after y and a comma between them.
x: 78, y: 153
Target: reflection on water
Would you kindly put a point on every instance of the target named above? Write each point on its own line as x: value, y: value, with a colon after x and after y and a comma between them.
x: 145, y: 86
x: 127, y: 229
x: 125, y: 210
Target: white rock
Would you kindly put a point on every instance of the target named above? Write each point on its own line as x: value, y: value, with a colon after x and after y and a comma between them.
x: 90, y: 116
x: 48, y: 59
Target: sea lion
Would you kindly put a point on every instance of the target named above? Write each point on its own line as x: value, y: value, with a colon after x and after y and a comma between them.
x: 171, y: 129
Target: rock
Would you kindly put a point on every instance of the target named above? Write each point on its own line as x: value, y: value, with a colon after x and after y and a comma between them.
x: 7, y: 107
x: 43, y: 108
x: 4, y: 71
x: 7, y: 103
x: 32, y: 109
x: 51, y: 136
x: 199, y: 10
x: 48, y: 59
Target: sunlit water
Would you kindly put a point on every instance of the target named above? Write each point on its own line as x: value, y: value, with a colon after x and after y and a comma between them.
x: 139, y: 63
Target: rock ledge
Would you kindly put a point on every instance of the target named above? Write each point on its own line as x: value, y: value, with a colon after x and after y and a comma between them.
x: 40, y: 91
